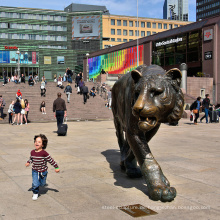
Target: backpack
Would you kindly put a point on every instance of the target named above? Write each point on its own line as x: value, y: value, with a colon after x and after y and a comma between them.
x: 193, y: 106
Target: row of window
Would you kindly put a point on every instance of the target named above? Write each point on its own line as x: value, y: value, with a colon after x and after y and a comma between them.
x: 131, y: 32
x: 53, y: 46
x: 203, y: 2
x: 208, y: 13
x: 208, y: 7
x: 32, y: 16
x: 33, y: 37
x: 33, y: 27
x: 143, y: 24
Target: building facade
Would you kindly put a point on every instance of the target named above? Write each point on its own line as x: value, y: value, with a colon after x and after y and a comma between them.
x: 118, y: 29
x: 176, y: 10
x: 207, y: 8
x: 195, y: 44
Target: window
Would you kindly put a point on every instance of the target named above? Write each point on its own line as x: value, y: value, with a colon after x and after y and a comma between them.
x: 136, y: 24
x: 170, y: 26
x: 154, y: 32
x: 136, y: 33
x: 119, y: 39
x: 113, y: 31
x: 130, y: 23
x: 164, y: 26
x: 125, y: 32
x: 175, y: 26
x: 125, y: 40
x: 118, y: 31
x: 112, y: 39
x: 154, y: 25
x: 112, y: 21
x: 159, y: 26
x: 148, y: 24
x: 119, y: 22
x: 142, y: 33
x: 125, y: 23
x: 143, y: 24
x: 131, y: 33
x: 130, y: 39
x: 148, y: 33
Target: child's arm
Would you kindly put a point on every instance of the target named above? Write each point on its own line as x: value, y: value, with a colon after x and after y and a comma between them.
x: 28, y: 162
x: 52, y: 162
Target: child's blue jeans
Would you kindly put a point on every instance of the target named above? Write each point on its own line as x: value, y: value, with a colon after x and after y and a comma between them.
x: 39, y: 179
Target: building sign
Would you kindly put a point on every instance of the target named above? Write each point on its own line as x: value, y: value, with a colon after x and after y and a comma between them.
x: 171, y: 41
x: 47, y: 60
x: 208, y: 34
x: 11, y: 48
x: 60, y: 60
x: 86, y: 26
x: 208, y: 55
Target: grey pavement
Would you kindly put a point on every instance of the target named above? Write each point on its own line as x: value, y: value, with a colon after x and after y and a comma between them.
x: 91, y: 184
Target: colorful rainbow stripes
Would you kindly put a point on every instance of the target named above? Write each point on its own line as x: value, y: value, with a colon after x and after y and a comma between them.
x: 119, y: 62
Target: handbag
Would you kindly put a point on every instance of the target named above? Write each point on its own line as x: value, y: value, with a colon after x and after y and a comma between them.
x: 195, y: 111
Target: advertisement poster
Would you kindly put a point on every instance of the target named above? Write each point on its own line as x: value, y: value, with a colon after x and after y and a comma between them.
x: 47, y: 60
x: 86, y: 26
x: 4, y: 56
x: 60, y: 60
x: 34, y: 60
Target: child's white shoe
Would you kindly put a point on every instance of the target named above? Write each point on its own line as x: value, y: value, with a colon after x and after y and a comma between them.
x: 35, y: 196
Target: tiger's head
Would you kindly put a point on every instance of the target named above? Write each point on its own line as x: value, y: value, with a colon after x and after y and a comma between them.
x: 157, y: 97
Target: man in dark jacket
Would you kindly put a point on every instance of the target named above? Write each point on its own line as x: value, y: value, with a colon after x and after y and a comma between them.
x: 205, y: 105
x: 85, y: 92
x: 68, y: 91
x: 2, y: 104
x: 59, y: 109
x: 5, y: 77
x: 78, y: 78
x: 69, y: 74
x: 22, y: 78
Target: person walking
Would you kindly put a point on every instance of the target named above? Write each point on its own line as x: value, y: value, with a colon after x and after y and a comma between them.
x: 5, y: 77
x: 59, y: 109
x: 10, y: 112
x: 68, y: 91
x: 196, y: 108
x: 205, y: 105
x: 85, y: 92
x: 110, y: 98
x: 17, y: 110
x: 39, y: 158
x: 27, y: 108
x: 2, y: 104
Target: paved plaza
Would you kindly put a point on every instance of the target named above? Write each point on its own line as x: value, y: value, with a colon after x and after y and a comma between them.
x: 91, y: 184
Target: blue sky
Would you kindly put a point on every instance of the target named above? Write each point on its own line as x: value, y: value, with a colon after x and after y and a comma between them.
x: 146, y: 8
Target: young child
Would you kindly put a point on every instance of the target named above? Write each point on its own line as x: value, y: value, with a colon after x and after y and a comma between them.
x: 39, y: 158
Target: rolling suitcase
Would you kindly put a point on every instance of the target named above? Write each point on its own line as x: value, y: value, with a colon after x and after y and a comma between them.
x: 214, y: 117
x: 62, y: 129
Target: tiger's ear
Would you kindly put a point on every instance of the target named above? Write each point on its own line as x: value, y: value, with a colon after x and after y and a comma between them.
x: 175, y: 75
x: 136, y: 75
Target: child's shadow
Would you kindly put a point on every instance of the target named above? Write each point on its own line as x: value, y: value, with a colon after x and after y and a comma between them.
x: 44, y: 189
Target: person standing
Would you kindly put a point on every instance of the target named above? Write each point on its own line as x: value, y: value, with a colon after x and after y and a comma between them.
x: 59, y: 109
x: 68, y: 91
x: 110, y: 98
x: 196, y: 109
x: 22, y: 78
x: 27, y: 108
x: 5, y: 76
x: 69, y: 74
x: 10, y: 112
x: 17, y: 110
x: 85, y: 92
x: 205, y: 105
x: 2, y: 104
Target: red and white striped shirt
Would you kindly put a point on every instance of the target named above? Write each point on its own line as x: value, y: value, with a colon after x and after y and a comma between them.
x: 39, y: 160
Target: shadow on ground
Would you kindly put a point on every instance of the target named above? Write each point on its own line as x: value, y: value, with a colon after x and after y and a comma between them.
x: 113, y: 158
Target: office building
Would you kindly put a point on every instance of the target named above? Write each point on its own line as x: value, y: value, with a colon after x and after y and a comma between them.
x: 176, y: 10
x: 207, y: 8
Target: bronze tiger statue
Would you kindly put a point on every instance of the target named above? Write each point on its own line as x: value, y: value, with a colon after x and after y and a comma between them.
x: 141, y: 101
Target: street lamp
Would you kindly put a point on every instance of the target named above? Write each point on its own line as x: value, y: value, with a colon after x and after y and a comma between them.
x: 87, y: 67
x: 18, y: 53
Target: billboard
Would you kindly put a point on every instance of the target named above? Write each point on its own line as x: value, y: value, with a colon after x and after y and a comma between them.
x: 60, y: 60
x: 118, y: 62
x: 47, y: 59
x: 26, y: 57
x: 86, y: 26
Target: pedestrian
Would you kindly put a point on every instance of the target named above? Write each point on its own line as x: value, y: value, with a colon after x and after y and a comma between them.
x: 59, y: 109
x: 93, y: 92
x: 78, y: 78
x: 68, y: 91
x: 22, y: 78
x: 196, y: 108
x: 81, y: 83
x: 10, y: 112
x: 43, y: 107
x: 2, y: 104
x: 42, y: 88
x: 17, y: 110
x: 110, y: 98
x: 85, y: 92
x: 39, y: 158
x: 27, y: 108
x: 23, y: 116
x: 205, y: 106
x: 69, y: 74
x: 5, y: 77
